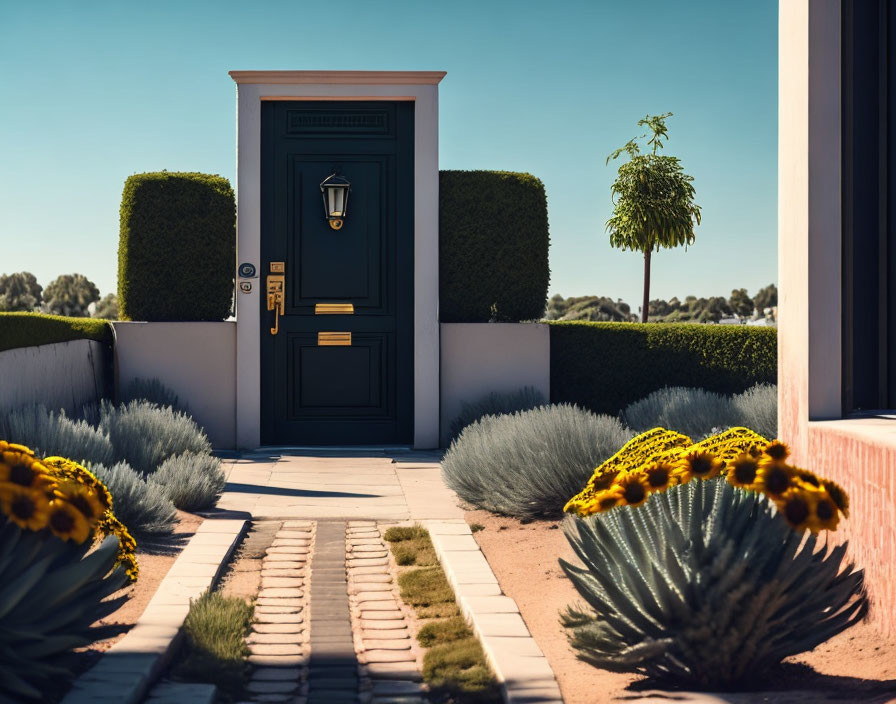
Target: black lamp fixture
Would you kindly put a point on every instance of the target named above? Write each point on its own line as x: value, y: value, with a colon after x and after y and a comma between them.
x: 335, y: 189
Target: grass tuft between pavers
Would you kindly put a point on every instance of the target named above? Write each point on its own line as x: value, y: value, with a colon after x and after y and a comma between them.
x: 214, y: 649
x: 454, y: 666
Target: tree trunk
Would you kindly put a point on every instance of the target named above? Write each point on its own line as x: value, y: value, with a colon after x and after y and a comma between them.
x: 646, y: 303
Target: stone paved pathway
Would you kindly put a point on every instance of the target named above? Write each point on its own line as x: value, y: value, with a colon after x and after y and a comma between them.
x: 389, y: 656
x: 339, y: 486
x: 278, y: 644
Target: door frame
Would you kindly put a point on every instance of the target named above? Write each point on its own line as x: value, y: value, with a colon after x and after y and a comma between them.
x: 253, y: 87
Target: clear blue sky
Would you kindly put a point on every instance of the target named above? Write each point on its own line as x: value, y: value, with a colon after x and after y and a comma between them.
x: 95, y: 91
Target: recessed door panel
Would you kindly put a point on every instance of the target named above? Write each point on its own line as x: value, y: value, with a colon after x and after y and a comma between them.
x: 339, y: 368
x: 348, y: 264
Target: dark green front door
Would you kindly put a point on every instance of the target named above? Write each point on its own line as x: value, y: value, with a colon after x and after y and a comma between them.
x: 315, y: 393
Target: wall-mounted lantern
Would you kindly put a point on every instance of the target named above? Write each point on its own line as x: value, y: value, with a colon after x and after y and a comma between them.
x: 335, y: 189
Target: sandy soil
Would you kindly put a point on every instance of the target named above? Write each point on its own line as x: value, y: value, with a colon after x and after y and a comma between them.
x: 154, y: 558
x: 856, y: 666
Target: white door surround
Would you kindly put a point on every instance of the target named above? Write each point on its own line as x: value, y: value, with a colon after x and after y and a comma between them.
x: 253, y: 87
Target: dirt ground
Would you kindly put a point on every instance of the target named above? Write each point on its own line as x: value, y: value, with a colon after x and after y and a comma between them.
x: 859, y: 665
x: 154, y: 558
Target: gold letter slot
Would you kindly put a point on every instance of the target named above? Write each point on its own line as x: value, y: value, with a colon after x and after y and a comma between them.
x: 334, y: 309
x: 334, y: 339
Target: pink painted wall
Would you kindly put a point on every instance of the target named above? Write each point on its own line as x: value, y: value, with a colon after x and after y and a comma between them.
x: 865, y: 466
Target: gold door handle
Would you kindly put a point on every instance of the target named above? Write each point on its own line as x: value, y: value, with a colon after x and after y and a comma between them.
x: 276, y: 290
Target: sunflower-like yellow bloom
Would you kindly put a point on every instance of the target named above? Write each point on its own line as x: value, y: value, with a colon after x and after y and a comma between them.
x: 838, y: 496
x: 23, y: 469
x: 775, y: 478
x: 634, y: 488
x: 699, y: 465
x: 796, y: 507
x: 61, y: 468
x: 661, y: 475
x: 83, y: 498
x: 26, y: 507
x: 742, y: 471
x: 776, y: 451
x: 67, y: 522
x: 823, y: 513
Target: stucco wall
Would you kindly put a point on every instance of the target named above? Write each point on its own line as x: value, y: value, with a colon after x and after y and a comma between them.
x: 63, y: 375
x: 195, y: 360
x: 478, y: 358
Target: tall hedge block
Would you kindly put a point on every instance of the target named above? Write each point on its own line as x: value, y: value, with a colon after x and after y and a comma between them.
x: 176, y: 252
x: 493, y: 246
x: 606, y: 366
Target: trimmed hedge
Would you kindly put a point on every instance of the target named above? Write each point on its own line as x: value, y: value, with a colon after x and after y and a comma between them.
x: 176, y: 251
x: 607, y: 366
x: 33, y: 329
x: 493, y: 246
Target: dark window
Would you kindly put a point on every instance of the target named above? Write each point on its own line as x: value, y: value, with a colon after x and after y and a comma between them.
x: 869, y: 189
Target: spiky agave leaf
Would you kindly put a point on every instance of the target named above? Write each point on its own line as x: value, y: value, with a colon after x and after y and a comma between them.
x: 704, y: 583
x: 51, y: 592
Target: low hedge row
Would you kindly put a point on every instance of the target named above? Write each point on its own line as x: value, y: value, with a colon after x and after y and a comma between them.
x: 33, y: 329
x: 606, y: 366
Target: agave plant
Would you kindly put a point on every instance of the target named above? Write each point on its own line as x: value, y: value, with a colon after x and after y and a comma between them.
x: 51, y: 592
x: 706, y: 584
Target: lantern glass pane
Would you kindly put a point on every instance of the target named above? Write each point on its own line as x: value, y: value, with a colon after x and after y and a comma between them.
x: 338, y: 201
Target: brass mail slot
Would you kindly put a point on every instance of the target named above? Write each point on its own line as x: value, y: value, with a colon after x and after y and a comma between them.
x: 332, y: 339
x: 334, y: 309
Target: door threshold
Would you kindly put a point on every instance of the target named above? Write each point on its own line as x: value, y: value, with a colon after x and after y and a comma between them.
x: 334, y: 448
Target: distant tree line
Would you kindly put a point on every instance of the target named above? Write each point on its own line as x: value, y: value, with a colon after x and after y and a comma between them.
x: 70, y: 294
x: 690, y: 310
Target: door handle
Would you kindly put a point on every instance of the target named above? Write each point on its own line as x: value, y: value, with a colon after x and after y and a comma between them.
x: 276, y: 290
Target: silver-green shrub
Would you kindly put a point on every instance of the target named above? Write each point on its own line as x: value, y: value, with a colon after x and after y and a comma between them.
x: 705, y: 584
x: 694, y: 412
x: 757, y: 409
x: 151, y: 390
x: 496, y: 403
x: 698, y: 413
x: 145, y: 435
x: 191, y: 481
x: 51, y: 594
x: 142, y: 506
x: 529, y: 464
x: 49, y: 432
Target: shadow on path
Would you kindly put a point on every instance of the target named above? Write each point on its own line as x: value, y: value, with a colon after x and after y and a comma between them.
x: 282, y: 491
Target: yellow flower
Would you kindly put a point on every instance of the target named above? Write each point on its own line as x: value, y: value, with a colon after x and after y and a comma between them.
x: 824, y: 514
x: 633, y: 487
x: 83, y: 498
x: 10, y: 446
x: 796, y: 507
x: 22, y: 469
x: 774, y: 478
x: 702, y: 465
x: 28, y: 508
x: 67, y: 522
x: 742, y: 471
x: 777, y: 451
x: 804, y: 475
x: 838, y: 496
x: 660, y: 475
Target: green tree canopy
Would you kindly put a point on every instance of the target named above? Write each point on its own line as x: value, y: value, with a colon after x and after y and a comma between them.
x: 19, y: 292
x: 740, y: 302
x: 766, y: 298
x: 107, y: 307
x: 653, y: 200
x: 70, y: 294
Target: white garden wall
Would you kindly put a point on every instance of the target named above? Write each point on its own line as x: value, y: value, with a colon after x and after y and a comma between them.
x: 195, y: 360
x: 62, y: 375
x: 478, y: 358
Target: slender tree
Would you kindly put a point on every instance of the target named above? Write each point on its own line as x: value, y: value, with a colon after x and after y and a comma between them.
x: 653, y: 200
